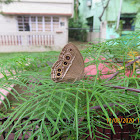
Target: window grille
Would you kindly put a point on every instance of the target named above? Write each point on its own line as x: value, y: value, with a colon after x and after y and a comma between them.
x: 38, y: 23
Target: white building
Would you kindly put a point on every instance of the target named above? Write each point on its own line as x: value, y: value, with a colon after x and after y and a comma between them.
x: 34, y: 25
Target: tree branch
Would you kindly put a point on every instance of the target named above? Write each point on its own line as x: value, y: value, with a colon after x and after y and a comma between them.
x: 104, y: 8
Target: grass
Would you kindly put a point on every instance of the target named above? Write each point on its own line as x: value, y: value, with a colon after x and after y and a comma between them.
x: 64, y: 104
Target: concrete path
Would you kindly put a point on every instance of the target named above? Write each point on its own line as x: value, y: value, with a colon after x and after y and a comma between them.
x: 5, y: 91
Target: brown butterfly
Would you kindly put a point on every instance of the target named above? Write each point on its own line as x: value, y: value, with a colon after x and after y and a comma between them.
x: 70, y: 65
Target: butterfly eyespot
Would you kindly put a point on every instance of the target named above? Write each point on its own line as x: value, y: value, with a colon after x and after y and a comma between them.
x: 65, y: 63
x: 68, y: 57
x: 59, y: 70
x: 58, y: 74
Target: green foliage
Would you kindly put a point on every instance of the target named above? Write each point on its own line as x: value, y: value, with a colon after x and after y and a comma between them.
x: 65, y: 105
x: 119, y: 30
x: 135, y: 1
x: 6, y: 1
x: 78, y: 33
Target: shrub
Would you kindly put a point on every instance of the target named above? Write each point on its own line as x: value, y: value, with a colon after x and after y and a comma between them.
x: 68, y: 109
x: 78, y: 31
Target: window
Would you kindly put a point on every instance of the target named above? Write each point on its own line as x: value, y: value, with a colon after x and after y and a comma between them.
x: 33, y: 23
x: 37, y: 23
x: 89, y: 3
x: 55, y: 23
x: 128, y: 22
x: 90, y: 23
x: 48, y: 24
x: 23, y: 23
x: 40, y: 23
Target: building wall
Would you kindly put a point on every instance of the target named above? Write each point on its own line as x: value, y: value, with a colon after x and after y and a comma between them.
x: 50, y: 7
x: 86, y: 11
x: 62, y: 34
x: 8, y: 21
x: 110, y: 15
x: 8, y: 31
x: 93, y: 37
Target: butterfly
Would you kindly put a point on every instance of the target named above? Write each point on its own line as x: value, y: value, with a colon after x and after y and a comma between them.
x: 70, y: 65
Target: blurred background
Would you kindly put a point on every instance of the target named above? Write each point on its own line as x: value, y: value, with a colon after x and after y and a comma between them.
x: 42, y: 25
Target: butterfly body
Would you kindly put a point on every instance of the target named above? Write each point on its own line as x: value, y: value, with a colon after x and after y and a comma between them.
x: 70, y: 65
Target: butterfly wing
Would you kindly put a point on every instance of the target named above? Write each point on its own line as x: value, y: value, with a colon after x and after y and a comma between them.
x: 70, y: 65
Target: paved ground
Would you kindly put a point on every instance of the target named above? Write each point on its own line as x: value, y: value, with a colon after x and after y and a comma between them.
x: 4, y: 91
x: 80, y: 45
